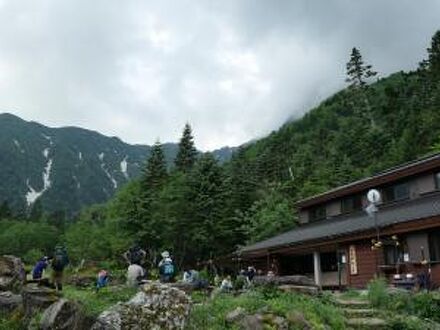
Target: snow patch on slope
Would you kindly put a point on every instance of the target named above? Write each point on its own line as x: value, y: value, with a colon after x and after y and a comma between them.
x: 124, y: 167
x: 80, y: 155
x: 17, y: 144
x: 111, y: 178
x: 32, y: 195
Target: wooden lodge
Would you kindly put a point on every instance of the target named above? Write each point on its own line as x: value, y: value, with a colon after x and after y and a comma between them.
x: 338, y: 244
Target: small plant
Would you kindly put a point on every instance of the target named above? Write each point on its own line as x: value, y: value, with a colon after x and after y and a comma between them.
x: 377, y: 292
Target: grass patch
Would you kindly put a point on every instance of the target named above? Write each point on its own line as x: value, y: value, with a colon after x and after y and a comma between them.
x: 319, y: 314
x: 96, y: 302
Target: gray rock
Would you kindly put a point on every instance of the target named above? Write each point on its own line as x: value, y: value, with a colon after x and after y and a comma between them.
x: 63, y: 315
x: 298, y: 321
x: 235, y: 315
x: 252, y: 322
x: 9, y: 301
x: 12, y: 274
x: 37, y: 298
x: 310, y: 290
x: 156, y: 306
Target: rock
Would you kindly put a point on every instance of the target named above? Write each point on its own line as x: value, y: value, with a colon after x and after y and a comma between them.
x: 282, y: 280
x: 156, y: 306
x: 298, y: 321
x: 37, y: 298
x: 275, y: 321
x: 9, y: 301
x: 235, y: 315
x: 251, y: 322
x: 64, y: 315
x: 12, y: 274
x: 311, y: 290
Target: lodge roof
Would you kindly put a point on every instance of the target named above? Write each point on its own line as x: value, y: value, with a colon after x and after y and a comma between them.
x: 422, y: 207
x: 392, y: 174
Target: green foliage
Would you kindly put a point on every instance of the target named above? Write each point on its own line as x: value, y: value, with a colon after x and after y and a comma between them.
x: 318, y: 314
x: 95, y: 303
x: 24, y: 238
x: 357, y: 71
x: 377, y: 292
x: 187, y: 153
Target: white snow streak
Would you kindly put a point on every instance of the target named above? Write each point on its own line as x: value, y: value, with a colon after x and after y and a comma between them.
x: 80, y: 155
x: 33, y: 195
x: 101, y: 156
x: 78, y: 184
x: 111, y: 178
x: 49, y: 138
x: 124, y: 167
x: 17, y: 144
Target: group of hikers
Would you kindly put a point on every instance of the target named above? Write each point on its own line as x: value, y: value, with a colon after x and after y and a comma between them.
x: 136, y: 272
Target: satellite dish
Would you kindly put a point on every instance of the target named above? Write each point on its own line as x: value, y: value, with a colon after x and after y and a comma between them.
x: 373, y: 196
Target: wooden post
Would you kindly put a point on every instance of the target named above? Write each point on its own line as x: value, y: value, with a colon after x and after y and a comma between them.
x: 317, y: 267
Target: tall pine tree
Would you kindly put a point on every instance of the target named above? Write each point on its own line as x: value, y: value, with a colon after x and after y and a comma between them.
x: 357, y: 71
x: 156, y: 170
x: 433, y: 62
x: 187, y: 153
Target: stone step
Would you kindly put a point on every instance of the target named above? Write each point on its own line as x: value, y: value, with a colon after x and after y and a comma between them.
x: 366, y: 323
x: 352, y: 303
x: 358, y: 312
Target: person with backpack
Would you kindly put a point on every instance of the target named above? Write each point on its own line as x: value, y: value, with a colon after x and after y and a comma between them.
x: 59, y: 262
x: 166, y: 268
x: 135, y: 255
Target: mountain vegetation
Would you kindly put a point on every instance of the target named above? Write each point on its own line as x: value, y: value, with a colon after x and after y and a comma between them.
x: 199, y: 208
x: 62, y: 170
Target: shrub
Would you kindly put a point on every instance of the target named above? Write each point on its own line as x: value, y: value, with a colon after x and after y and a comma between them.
x: 377, y: 292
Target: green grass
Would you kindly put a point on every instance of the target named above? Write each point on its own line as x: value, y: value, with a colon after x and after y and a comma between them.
x: 96, y: 302
x: 319, y: 313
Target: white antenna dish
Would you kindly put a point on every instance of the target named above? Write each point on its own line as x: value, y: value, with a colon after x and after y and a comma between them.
x: 374, y: 196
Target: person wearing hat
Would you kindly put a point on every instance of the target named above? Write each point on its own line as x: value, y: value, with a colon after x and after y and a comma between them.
x: 166, y: 268
x: 40, y: 266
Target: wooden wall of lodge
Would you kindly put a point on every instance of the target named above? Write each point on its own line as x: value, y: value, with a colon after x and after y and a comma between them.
x: 367, y: 259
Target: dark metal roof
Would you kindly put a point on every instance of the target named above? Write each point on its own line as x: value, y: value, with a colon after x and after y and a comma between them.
x: 419, y: 208
x: 401, y: 171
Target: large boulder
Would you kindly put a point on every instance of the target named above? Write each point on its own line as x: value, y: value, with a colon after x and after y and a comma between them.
x: 64, y: 315
x: 9, y: 301
x: 12, y: 274
x: 37, y: 298
x: 156, y: 306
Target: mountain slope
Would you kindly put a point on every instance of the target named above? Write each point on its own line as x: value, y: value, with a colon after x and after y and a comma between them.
x: 66, y: 168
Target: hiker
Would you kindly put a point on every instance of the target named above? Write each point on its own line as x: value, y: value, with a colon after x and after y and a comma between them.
x: 135, y: 255
x: 251, y: 271
x: 135, y: 275
x: 226, y: 284
x: 191, y: 276
x: 40, y: 266
x: 59, y: 262
x: 102, y: 280
x: 166, y: 268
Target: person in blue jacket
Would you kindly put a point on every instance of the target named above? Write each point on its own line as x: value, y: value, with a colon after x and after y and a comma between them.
x: 40, y: 266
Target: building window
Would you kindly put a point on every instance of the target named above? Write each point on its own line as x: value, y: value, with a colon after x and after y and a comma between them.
x: 396, y: 193
x: 437, y: 180
x: 394, y: 253
x: 317, y: 213
x: 434, y: 245
x: 351, y: 203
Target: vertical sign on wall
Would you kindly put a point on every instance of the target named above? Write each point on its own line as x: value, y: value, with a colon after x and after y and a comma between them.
x: 353, y: 260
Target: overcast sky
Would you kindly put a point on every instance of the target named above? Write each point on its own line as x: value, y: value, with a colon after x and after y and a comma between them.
x: 235, y: 70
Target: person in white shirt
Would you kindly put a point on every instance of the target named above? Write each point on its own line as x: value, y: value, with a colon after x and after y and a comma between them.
x: 135, y: 274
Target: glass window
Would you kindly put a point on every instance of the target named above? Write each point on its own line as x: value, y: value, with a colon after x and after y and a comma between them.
x: 351, y: 203
x: 318, y: 213
x: 396, y: 193
x: 394, y: 253
x: 434, y: 245
x: 437, y: 181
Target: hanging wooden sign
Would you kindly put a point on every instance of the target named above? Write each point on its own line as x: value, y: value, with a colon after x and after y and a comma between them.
x: 353, y: 260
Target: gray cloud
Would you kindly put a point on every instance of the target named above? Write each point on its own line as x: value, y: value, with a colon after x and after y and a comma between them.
x: 234, y: 69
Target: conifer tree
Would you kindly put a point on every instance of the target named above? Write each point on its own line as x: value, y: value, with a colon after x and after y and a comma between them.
x: 5, y: 211
x: 357, y: 71
x: 433, y: 62
x: 187, y: 153
x: 155, y: 171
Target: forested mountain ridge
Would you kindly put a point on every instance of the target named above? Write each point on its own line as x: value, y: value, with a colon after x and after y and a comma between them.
x: 199, y: 209
x: 66, y: 168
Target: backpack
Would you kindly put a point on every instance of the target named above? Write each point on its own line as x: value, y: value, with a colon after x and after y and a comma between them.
x: 168, y: 269
x: 135, y: 256
x: 60, y: 260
